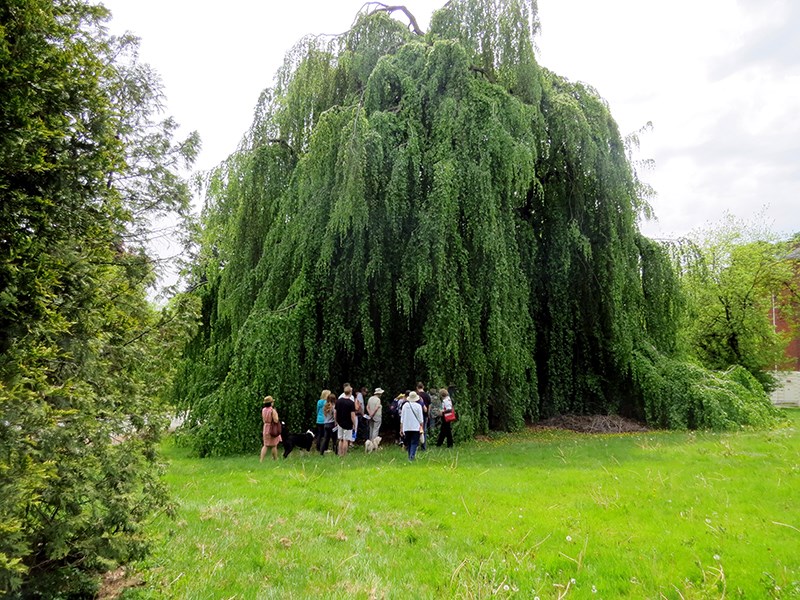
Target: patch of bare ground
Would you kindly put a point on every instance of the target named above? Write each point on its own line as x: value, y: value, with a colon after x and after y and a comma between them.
x: 592, y: 424
x: 115, y: 582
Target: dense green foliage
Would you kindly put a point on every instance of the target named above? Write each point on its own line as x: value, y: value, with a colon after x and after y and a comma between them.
x: 737, y: 278
x: 84, y: 356
x: 434, y: 207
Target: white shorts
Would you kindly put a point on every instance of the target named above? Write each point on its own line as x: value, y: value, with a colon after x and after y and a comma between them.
x: 345, y: 434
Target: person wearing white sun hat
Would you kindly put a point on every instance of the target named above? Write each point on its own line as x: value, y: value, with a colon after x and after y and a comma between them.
x: 374, y: 413
x: 411, y: 423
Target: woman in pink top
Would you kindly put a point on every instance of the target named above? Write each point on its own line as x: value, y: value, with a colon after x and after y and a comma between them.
x: 269, y: 415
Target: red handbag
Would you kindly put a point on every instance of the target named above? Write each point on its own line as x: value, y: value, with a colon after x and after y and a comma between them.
x: 450, y: 416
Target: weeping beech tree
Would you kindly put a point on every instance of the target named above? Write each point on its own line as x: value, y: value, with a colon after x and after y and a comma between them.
x: 428, y: 206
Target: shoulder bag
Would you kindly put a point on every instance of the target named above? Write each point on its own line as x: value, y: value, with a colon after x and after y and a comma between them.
x: 274, y: 427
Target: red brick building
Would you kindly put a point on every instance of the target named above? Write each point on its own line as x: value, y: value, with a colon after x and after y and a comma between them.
x: 779, y: 321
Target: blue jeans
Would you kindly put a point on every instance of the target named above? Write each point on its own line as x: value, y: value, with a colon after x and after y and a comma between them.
x: 412, y: 441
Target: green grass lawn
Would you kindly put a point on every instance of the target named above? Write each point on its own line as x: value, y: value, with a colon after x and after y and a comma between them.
x: 542, y: 513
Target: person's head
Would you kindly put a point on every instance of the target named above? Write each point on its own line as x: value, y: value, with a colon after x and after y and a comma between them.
x: 364, y: 391
x: 378, y: 391
x: 330, y: 404
x: 268, y: 401
x: 348, y: 390
x: 413, y: 397
x: 443, y: 393
x: 325, y: 393
x: 420, y: 387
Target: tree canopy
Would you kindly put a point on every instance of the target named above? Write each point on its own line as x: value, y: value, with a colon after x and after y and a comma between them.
x: 432, y: 206
x: 84, y: 356
x: 737, y: 276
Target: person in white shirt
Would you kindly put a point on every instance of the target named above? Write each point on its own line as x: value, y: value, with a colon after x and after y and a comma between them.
x: 411, y: 423
x: 446, y: 431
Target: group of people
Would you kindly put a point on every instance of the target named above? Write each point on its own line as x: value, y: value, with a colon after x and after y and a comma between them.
x: 345, y: 418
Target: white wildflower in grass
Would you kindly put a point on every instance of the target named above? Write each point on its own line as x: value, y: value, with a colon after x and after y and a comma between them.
x: 454, y: 514
x: 572, y: 581
x: 716, y: 557
x: 708, y: 521
x: 594, y: 590
x: 506, y: 588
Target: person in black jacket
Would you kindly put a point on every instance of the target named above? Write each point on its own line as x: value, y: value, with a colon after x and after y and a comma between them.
x: 344, y: 413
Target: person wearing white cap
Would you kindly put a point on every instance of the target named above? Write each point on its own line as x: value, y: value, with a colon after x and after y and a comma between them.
x: 411, y: 421
x: 374, y: 413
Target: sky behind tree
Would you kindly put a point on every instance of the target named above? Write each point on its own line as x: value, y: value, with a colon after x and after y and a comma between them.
x: 718, y: 79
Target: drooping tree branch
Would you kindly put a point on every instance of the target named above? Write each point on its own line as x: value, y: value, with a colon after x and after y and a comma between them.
x: 485, y: 72
x: 412, y: 21
x: 283, y: 143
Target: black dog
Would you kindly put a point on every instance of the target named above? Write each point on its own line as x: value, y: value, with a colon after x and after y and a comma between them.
x: 292, y: 440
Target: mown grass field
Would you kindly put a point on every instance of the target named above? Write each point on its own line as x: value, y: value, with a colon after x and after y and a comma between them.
x: 548, y: 514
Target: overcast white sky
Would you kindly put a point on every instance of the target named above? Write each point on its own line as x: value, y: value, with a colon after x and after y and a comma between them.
x: 719, y: 79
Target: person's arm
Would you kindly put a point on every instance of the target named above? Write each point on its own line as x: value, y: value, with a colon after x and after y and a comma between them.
x: 355, y: 421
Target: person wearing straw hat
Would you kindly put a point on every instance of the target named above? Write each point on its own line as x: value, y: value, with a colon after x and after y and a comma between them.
x: 411, y: 423
x: 374, y: 413
x: 268, y: 416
